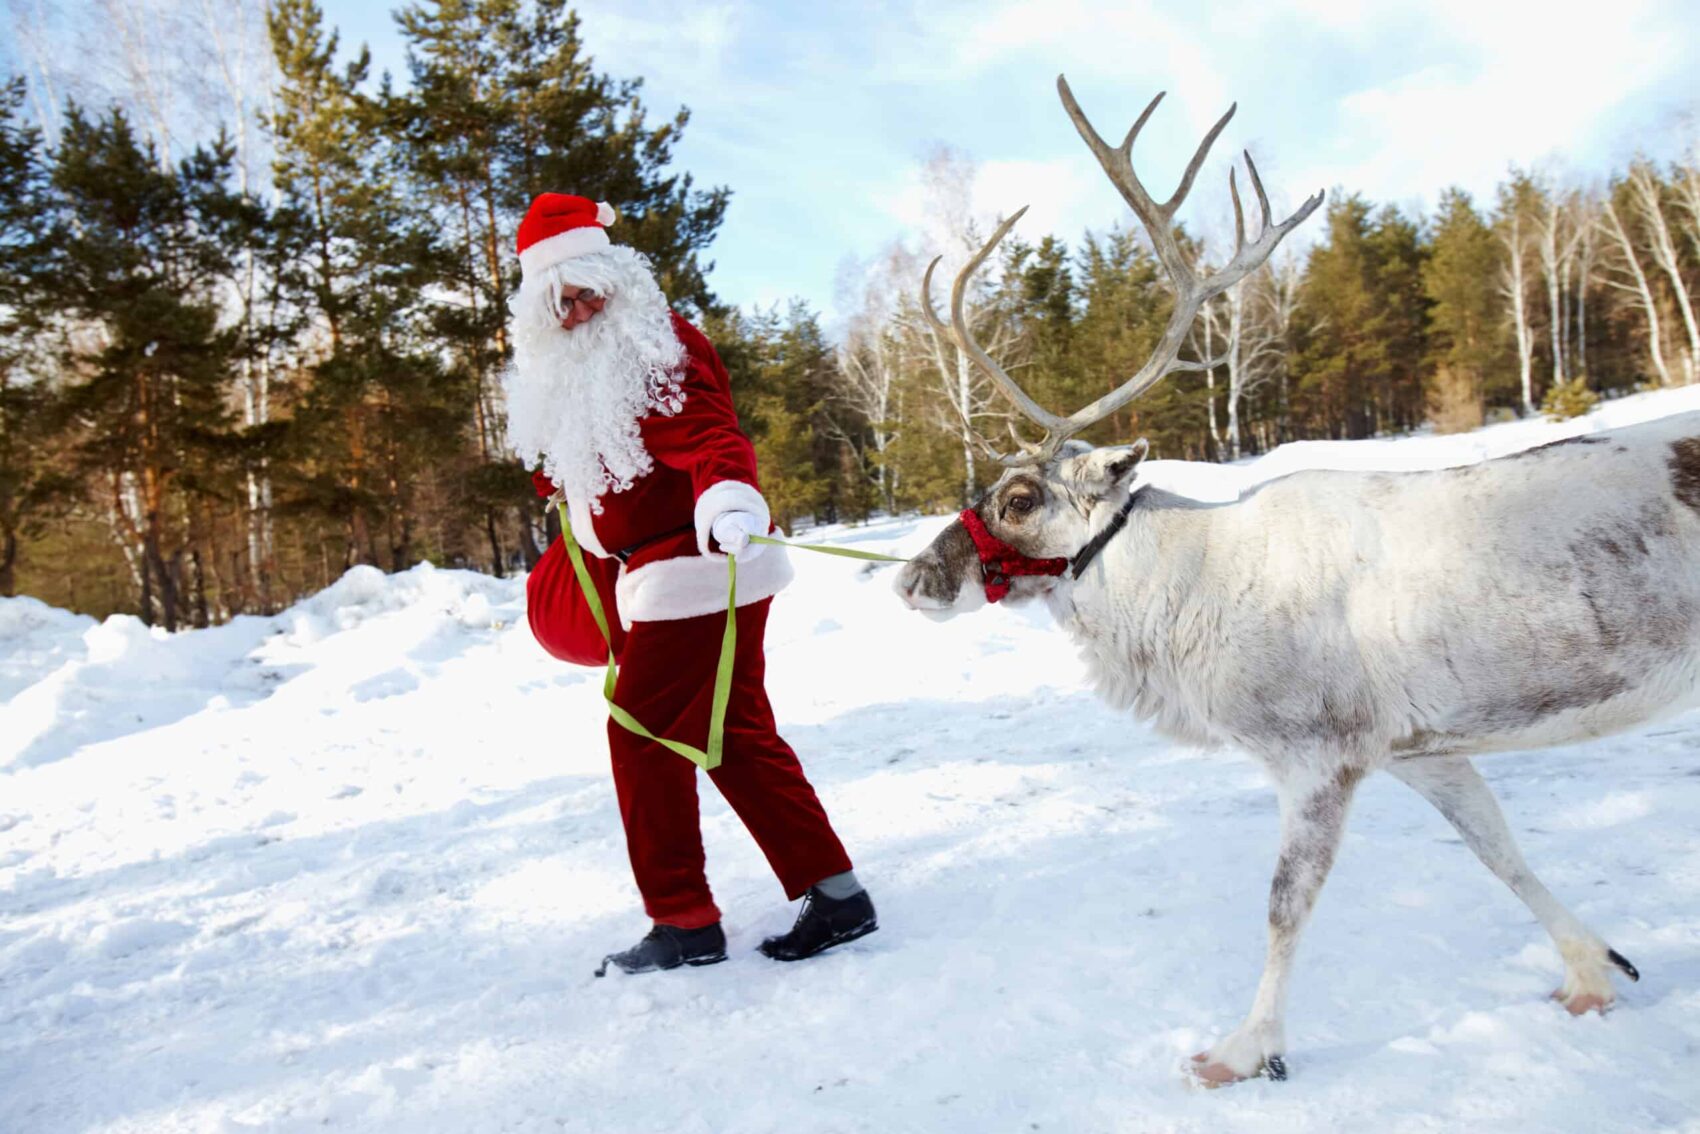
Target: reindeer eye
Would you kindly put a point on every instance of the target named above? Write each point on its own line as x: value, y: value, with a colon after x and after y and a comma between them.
x: 1020, y: 505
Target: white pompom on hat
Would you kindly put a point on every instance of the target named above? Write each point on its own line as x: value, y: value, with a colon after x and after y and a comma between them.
x: 559, y: 226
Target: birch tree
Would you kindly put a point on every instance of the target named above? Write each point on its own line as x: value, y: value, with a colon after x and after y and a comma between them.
x: 237, y: 34
x: 947, y: 178
x: 1638, y: 288
x: 149, y: 40
x: 872, y: 362
x: 1280, y: 302
x: 1236, y: 334
x: 975, y: 404
x: 1557, y: 236
x: 33, y: 36
x: 1585, y: 208
x: 1518, y: 201
x: 1204, y: 337
x: 1686, y: 186
x: 1255, y: 349
x: 1646, y: 201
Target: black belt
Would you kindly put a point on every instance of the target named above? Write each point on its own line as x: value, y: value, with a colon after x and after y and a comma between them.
x: 626, y: 553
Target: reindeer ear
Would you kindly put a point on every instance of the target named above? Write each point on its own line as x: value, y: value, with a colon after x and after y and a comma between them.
x: 1124, y: 466
x: 1100, y: 472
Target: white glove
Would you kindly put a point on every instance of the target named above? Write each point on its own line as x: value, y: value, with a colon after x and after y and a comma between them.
x: 732, y: 531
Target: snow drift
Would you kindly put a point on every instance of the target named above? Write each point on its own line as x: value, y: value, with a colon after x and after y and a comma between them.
x: 351, y: 867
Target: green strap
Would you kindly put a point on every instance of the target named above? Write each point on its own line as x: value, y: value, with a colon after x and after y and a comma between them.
x: 845, y: 552
x: 709, y: 760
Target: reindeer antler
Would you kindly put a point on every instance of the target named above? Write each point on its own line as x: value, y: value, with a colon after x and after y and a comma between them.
x: 957, y: 328
x: 1191, y: 290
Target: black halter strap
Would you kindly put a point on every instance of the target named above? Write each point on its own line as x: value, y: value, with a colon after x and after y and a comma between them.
x: 1084, y: 557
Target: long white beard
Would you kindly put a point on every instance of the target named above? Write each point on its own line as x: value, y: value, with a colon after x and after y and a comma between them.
x: 575, y: 397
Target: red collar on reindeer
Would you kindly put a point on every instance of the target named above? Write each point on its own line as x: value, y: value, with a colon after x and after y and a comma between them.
x: 999, y: 562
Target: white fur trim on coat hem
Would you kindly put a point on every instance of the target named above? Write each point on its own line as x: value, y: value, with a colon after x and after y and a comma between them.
x: 692, y: 585
x: 584, y: 528
x: 728, y: 496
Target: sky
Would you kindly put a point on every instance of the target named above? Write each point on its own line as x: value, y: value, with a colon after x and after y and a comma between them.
x: 819, y: 116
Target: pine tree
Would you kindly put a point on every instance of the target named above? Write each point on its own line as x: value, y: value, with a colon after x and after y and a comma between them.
x: 505, y: 105
x: 1126, y: 307
x: 1398, y: 327
x: 1047, y: 317
x: 1467, y: 348
x: 373, y: 416
x: 33, y: 489
x: 1340, y: 362
x: 137, y: 249
x: 781, y: 370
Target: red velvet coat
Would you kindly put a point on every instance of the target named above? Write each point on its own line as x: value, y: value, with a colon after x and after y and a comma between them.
x: 704, y: 466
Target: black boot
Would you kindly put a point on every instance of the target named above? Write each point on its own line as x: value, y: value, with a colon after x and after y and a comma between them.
x: 668, y: 947
x: 823, y: 923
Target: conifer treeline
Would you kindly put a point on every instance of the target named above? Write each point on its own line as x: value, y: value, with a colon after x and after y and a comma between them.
x: 1542, y: 300
x: 214, y: 399
x: 216, y: 396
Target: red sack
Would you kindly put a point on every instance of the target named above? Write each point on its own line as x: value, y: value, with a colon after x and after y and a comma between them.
x: 560, y: 618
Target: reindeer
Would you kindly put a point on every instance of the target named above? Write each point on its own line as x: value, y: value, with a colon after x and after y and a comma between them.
x: 1333, y: 624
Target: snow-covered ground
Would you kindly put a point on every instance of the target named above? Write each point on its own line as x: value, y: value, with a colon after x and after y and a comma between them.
x: 351, y: 867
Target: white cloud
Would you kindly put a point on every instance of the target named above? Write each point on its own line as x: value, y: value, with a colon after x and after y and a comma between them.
x: 1395, y: 99
x: 1136, y: 43
x: 814, y: 114
x: 1058, y: 193
x: 1511, y: 89
x: 689, y: 43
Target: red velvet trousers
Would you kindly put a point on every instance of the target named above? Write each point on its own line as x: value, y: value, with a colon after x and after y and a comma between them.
x: 667, y: 682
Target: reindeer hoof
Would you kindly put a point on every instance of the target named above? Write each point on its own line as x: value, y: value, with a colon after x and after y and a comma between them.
x: 1581, y: 1003
x: 1211, y: 1073
x: 1587, y: 983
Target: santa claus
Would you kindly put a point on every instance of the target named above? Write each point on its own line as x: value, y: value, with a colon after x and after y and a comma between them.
x: 628, y: 410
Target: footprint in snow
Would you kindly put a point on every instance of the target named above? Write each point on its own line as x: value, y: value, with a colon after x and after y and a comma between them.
x: 124, y: 938
x: 391, y: 683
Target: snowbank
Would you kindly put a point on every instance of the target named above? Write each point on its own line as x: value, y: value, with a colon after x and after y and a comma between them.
x: 350, y: 868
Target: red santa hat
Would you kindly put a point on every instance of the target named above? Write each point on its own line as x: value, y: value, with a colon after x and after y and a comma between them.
x: 559, y: 226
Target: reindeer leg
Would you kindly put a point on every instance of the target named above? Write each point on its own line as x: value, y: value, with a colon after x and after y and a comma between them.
x: 1458, y: 792
x: 1313, y: 817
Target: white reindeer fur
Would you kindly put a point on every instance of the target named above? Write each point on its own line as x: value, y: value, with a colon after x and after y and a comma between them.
x: 1427, y: 613
x: 1335, y: 623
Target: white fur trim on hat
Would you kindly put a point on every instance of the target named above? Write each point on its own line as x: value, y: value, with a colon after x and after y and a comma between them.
x: 728, y: 496
x: 552, y: 250
x: 688, y: 586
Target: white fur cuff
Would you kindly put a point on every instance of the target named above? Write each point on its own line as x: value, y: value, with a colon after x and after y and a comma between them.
x: 728, y: 496
x: 693, y: 585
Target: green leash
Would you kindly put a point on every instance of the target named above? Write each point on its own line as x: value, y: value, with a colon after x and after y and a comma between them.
x: 843, y: 552
x: 708, y: 759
